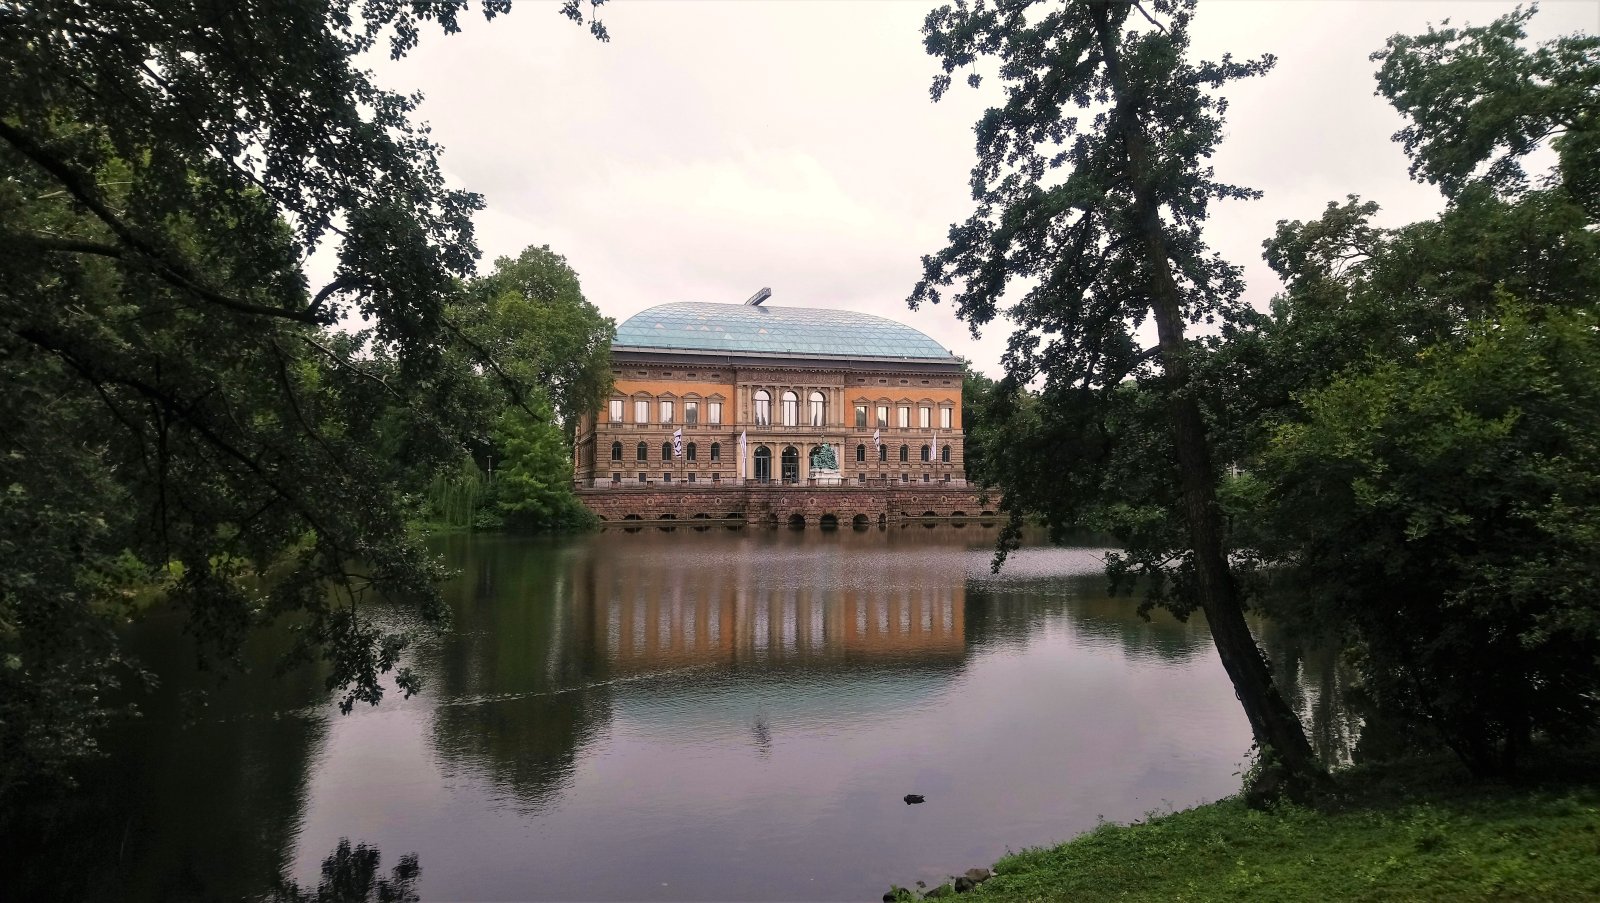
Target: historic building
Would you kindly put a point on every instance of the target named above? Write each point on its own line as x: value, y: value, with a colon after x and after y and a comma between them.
x: 885, y: 398
x: 729, y: 395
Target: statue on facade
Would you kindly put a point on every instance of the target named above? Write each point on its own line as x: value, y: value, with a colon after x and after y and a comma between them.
x: 823, y: 458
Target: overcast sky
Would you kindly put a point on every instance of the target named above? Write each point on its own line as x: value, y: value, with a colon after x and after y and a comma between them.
x: 712, y: 148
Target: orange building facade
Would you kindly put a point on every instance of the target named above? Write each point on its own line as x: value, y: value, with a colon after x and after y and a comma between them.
x: 742, y: 395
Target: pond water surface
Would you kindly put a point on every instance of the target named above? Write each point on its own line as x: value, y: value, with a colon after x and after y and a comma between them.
x: 690, y: 715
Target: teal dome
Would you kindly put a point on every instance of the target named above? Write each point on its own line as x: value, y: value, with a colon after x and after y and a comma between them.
x: 743, y: 329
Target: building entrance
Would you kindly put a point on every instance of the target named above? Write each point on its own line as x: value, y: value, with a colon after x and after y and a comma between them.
x: 791, y: 464
x: 763, y: 464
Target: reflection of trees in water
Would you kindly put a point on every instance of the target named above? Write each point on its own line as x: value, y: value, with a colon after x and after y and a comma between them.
x: 516, y: 694
x: 1004, y: 612
x: 194, y: 802
x: 351, y: 876
x: 1317, y: 681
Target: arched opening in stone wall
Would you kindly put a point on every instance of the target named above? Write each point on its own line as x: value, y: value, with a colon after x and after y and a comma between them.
x: 791, y: 464
x: 797, y: 521
x: 763, y: 464
x: 733, y: 515
x: 828, y: 522
x: 667, y: 517
x: 860, y: 522
x: 631, y: 517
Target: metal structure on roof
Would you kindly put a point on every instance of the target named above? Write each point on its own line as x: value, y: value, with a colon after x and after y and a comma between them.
x: 753, y: 329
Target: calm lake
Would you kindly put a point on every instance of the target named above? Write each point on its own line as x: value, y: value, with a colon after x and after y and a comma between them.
x: 687, y: 715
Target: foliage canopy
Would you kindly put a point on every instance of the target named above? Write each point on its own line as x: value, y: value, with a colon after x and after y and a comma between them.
x: 177, y: 412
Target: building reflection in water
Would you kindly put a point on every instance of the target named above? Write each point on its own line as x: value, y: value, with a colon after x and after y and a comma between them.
x: 784, y: 608
x: 764, y: 670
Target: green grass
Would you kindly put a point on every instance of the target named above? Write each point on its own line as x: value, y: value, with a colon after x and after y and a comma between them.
x: 1414, y: 832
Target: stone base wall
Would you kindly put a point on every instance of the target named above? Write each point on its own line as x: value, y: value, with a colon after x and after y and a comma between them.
x: 759, y: 504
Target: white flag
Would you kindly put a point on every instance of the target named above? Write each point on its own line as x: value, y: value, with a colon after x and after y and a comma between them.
x: 741, y: 454
x: 935, y: 455
x: 877, y: 439
x: 677, y: 443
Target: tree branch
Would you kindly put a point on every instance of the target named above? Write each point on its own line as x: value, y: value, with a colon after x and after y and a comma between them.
x: 1149, y: 18
x: 174, y: 273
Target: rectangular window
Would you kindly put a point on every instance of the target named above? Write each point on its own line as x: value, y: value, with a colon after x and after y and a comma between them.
x: 666, y: 412
x: 641, y: 411
x: 691, y: 413
x: 883, y: 416
x: 924, y: 478
x: 691, y: 478
x: 616, y: 410
x: 642, y: 477
x: 716, y: 478
x: 905, y: 416
x: 905, y: 478
x: 714, y: 412
x: 666, y: 477
x: 925, y: 417
x: 861, y: 416
x: 616, y: 478
x: 944, y: 418
x: 861, y: 477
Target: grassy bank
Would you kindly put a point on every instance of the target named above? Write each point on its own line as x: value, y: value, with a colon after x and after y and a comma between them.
x: 1419, y: 831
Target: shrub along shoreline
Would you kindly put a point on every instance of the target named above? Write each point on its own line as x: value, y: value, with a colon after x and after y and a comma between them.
x: 1411, y: 830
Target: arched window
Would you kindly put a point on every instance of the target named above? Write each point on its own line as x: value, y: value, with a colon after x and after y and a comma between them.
x: 905, y: 454
x: 861, y: 453
x: 716, y: 452
x: 817, y: 405
x: 791, y: 409
x: 643, y: 452
x: 763, y: 409
x: 763, y: 464
x: 666, y: 451
x: 616, y: 451
x: 926, y: 455
x: 944, y: 455
x: 689, y: 452
x: 791, y: 462
x: 883, y: 453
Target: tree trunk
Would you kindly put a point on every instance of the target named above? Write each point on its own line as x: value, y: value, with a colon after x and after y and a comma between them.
x: 1273, y: 722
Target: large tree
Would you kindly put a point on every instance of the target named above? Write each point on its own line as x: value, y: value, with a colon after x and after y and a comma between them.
x: 1092, y: 190
x: 530, y: 313
x: 1427, y: 399
x: 177, y: 411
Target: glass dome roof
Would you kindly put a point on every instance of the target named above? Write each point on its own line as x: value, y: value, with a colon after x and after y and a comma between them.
x: 742, y: 329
